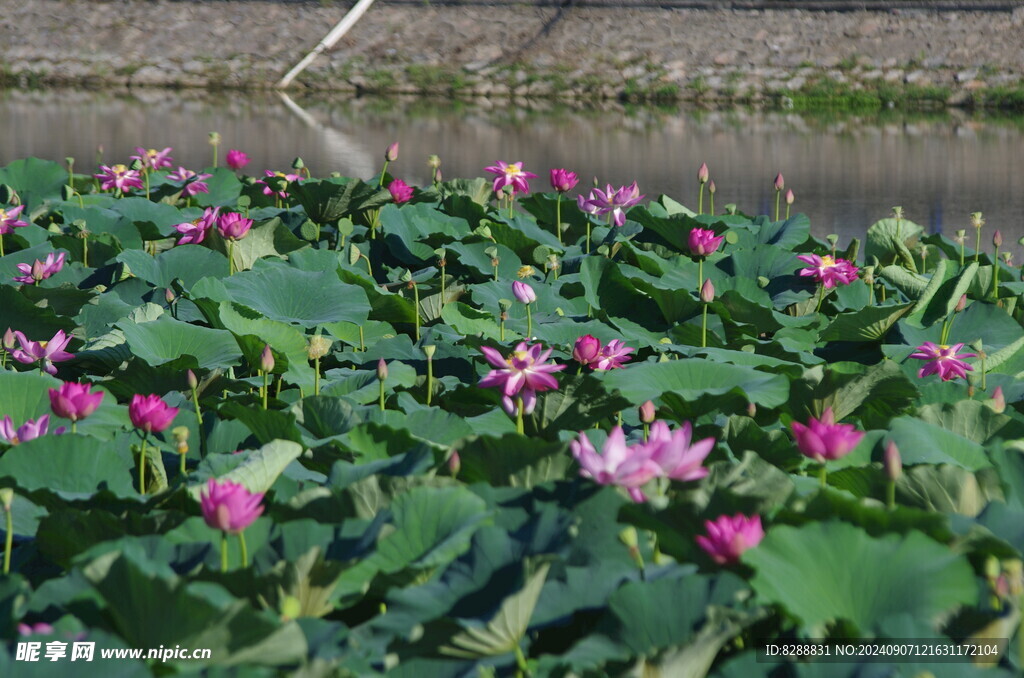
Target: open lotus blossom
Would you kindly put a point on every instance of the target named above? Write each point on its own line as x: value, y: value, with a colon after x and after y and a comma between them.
x: 233, y: 226
x: 229, y: 507
x: 612, y: 201
x: 703, y: 242
x: 828, y: 271
x: 289, y: 178
x: 9, y: 219
x: 946, y: 361
x: 823, y: 439
x: 583, y: 202
x: 511, y: 174
x: 400, y: 191
x: 74, y: 401
x: 194, y: 183
x: 40, y: 270
x: 46, y: 353
x: 729, y: 536
x: 524, y: 374
x: 629, y: 467
x: 588, y: 351
x: 31, y: 429
x: 150, y: 413
x: 195, y: 231
x: 119, y: 177
x: 563, y: 181
x: 236, y: 159
x: 153, y: 159
x: 673, y: 453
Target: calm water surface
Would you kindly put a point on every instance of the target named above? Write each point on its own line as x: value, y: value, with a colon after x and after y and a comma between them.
x: 847, y: 171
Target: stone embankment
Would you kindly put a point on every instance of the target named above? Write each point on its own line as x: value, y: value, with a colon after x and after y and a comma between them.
x: 788, y: 57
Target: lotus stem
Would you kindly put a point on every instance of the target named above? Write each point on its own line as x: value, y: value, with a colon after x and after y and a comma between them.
x: 501, y: 320
x: 511, y: 206
x: 2, y: 245
x: 223, y: 551
x: 316, y: 373
x: 524, y: 668
x: 266, y: 388
x: 362, y: 343
x: 145, y: 175
x: 416, y: 298
x: 529, y: 322
x: 380, y: 184
x: 700, y: 275
x: 712, y: 212
x: 995, y: 276
x: 977, y: 243
x: 8, y: 537
x: 442, y: 288
x: 778, y: 194
x: 142, y: 466
x: 961, y: 253
x: 558, y: 218
x: 821, y: 298
x: 700, y: 200
x: 647, y: 431
x: 430, y: 378
x: 241, y: 547
x: 704, y: 327
x: 231, y: 257
x: 890, y: 495
x: 85, y: 250
x: 381, y: 382
x: 369, y: 267
x: 823, y: 476
x: 519, y: 415
x: 588, y: 236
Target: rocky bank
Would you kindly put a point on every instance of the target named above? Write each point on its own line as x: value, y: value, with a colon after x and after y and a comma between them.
x: 781, y: 56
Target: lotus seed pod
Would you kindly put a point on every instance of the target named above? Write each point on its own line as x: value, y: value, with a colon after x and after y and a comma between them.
x: 318, y: 347
x: 897, y: 212
x: 429, y: 351
x: 977, y: 220
x: 214, y: 138
x: 433, y: 162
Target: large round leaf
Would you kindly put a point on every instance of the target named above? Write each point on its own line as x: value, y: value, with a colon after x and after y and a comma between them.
x: 693, y: 379
x: 165, y: 339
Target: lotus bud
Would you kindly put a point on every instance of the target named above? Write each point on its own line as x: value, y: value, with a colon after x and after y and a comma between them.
x: 961, y: 304
x: 780, y: 183
x: 751, y: 410
x: 429, y: 351
x: 180, y: 434
x: 711, y: 187
x: 790, y: 197
x: 504, y: 304
x: 893, y: 462
x: 454, y: 463
x: 267, y: 359
x: 9, y: 339
x: 997, y: 238
x: 318, y: 347
x: 703, y: 174
x: 998, y: 402
x: 193, y: 383
x: 214, y: 138
x: 707, y: 291
x: 647, y: 412
x: 523, y: 292
x: 977, y: 220
x: 391, y: 152
x: 382, y: 370
x: 436, y: 178
x: 6, y: 498
x: 169, y: 295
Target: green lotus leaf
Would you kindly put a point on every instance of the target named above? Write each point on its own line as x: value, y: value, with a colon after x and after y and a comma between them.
x: 187, y: 263
x: 164, y: 340
x: 692, y: 379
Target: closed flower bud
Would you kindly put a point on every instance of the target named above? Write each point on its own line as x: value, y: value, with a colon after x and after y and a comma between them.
x: 9, y: 339
x: 997, y: 238
x: 454, y: 463
x: 382, y: 370
x: 893, y: 462
x: 780, y: 183
x: 961, y: 304
x: 169, y: 295
x: 391, y: 153
x: 790, y: 198
x: 998, y: 402
x: 318, y: 346
x: 267, y: 359
x: 6, y: 498
x: 711, y: 187
x: 707, y: 291
x: 523, y: 292
x: 647, y: 412
x: 703, y: 174
x: 751, y: 410
x: 192, y: 381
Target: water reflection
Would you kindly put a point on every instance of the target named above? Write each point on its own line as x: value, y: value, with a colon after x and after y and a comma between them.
x: 846, y: 171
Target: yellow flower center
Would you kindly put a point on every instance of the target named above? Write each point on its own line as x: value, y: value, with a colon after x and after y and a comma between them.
x: 3, y: 215
x: 827, y: 261
x: 152, y: 153
x: 43, y: 344
x: 118, y: 169
x: 512, y: 170
x: 525, y: 271
x: 944, y: 347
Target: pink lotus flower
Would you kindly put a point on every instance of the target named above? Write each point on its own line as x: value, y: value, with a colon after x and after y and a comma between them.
x: 150, y: 413
x: 704, y: 242
x: 195, y: 232
x: 563, y: 180
x: 511, y: 175
x: 236, y: 159
x: 119, y: 177
x: 523, y: 292
x: 587, y: 349
x: 524, y: 374
x: 194, y: 183
x: 233, y: 226
x: 9, y: 219
x: 391, y: 152
x: 612, y: 356
x: 40, y: 270
x: 74, y: 401
x: 629, y: 467
x: 40, y: 629
x: 400, y: 191
x: 44, y: 352
x: 675, y: 456
x: 289, y: 178
x: 823, y: 439
x: 828, y: 271
x: 943, y: 360
x: 728, y: 537
x: 703, y: 174
x: 30, y: 430
x: 612, y: 201
x: 229, y: 507
x: 583, y: 202
x: 153, y: 159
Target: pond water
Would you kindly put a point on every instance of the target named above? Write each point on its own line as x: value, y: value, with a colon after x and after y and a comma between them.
x: 847, y: 171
